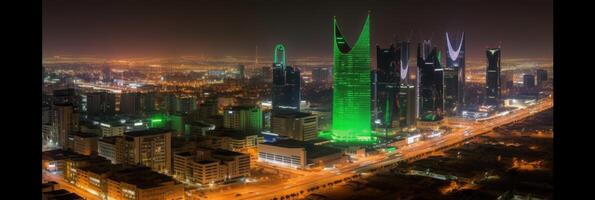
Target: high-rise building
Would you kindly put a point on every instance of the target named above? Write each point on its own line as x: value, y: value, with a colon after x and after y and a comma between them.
x: 130, y: 104
x: 241, y: 72
x: 148, y: 100
x: 407, y: 103
x: 321, y: 75
x: 493, y: 77
x: 529, y: 80
x: 507, y: 82
x: 151, y: 148
x: 244, y: 118
x: 66, y: 123
x: 541, y: 76
x: 186, y: 104
x: 407, y: 106
x: 351, y: 117
x: 107, y: 74
x: 286, y: 84
x: 171, y: 102
x: 297, y: 126
x: 430, y: 82
x: 101, y: 103
x: 454, y: 75
x: 387, y: 88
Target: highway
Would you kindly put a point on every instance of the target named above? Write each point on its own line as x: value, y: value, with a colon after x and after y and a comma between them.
x: 409, y: 153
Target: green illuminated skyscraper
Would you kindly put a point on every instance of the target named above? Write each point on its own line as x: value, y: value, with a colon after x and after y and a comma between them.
x: 351, y: 87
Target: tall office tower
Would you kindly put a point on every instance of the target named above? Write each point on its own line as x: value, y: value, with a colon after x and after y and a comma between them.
x: 107, y: 74
x: 507, y: 82
x: 151, y: 148
x: 430, y: 83
x: 297, y: 126
x: 388, y: 76
x: 454, y: 75
x: 493, y: 77
x: 407, y: 104
x: 541, y: 76
x: 286, y: 84
x: 244, y: 118
x: 148, y: 100
x: 351, y: 87
x: 241, y: 73
x: 66, y: 123
x: 321, y: 75
x: 529, y: 80
x: 130, y: 103
x: 101, y: 103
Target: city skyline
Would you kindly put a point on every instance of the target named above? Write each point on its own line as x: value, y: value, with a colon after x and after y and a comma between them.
x: 154, y: 29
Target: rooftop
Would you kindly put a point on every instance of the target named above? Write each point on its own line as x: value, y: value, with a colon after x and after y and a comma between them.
x: 293, y: 115
x: 85, y: 135
x: 59, y: 154
x: 232, y: 133
x: 205, y: 161
x: 312, y: 151
x: 109, y: 139
x: 148, y: 132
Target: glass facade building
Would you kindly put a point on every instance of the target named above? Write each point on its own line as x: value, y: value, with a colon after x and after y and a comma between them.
x: 430, y: 83
x: 454, y: 75
x: 351, y: 110
x: 493, y: 77
x: 286, y: 84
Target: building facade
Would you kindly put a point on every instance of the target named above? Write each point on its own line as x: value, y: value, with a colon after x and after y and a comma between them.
x: 387, y: 87
x: 351, y: 109
x: 430, y: 83
x: 493, y: 77
x: 286, y: 84
x: 245, y: 118
x: 297, y: 126
x: 454, y: 75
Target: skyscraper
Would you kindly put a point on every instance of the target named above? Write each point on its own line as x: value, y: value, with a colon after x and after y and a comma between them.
x: 430, y: 82
x: 529, y: 80
x: 66, y: 123
x: 541, y: 76
x: 454, y: 75
x: 493, y: 77
x: 351, y: 86
x: 407, y: 104
x: 387, y: 86
x: 286, y: 84
x: 321, y: 75
x: 507, y: 82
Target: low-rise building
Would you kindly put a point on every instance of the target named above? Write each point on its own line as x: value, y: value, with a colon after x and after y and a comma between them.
x: 85, y: 143
x: 298, y: 154
x: 106, y: 147
x: 151, y: 148
x: 209, y: 166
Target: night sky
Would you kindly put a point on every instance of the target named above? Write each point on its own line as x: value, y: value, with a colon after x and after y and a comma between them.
x: 125, y: 28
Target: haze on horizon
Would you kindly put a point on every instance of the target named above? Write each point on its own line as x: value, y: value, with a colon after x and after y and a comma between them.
x: 129, y: 28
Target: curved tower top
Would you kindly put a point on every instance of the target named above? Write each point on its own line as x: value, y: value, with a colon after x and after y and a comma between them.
x: 279, y: 48
x: 452, y: 53
x: 340, y: 43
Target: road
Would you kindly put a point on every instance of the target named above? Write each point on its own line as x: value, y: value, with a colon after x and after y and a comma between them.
x: 62, y: 184
x: 410, y: 152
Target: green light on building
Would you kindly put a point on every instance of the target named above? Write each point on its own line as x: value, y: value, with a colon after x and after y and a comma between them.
x: 351, y: 88
x: 157, y: 121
